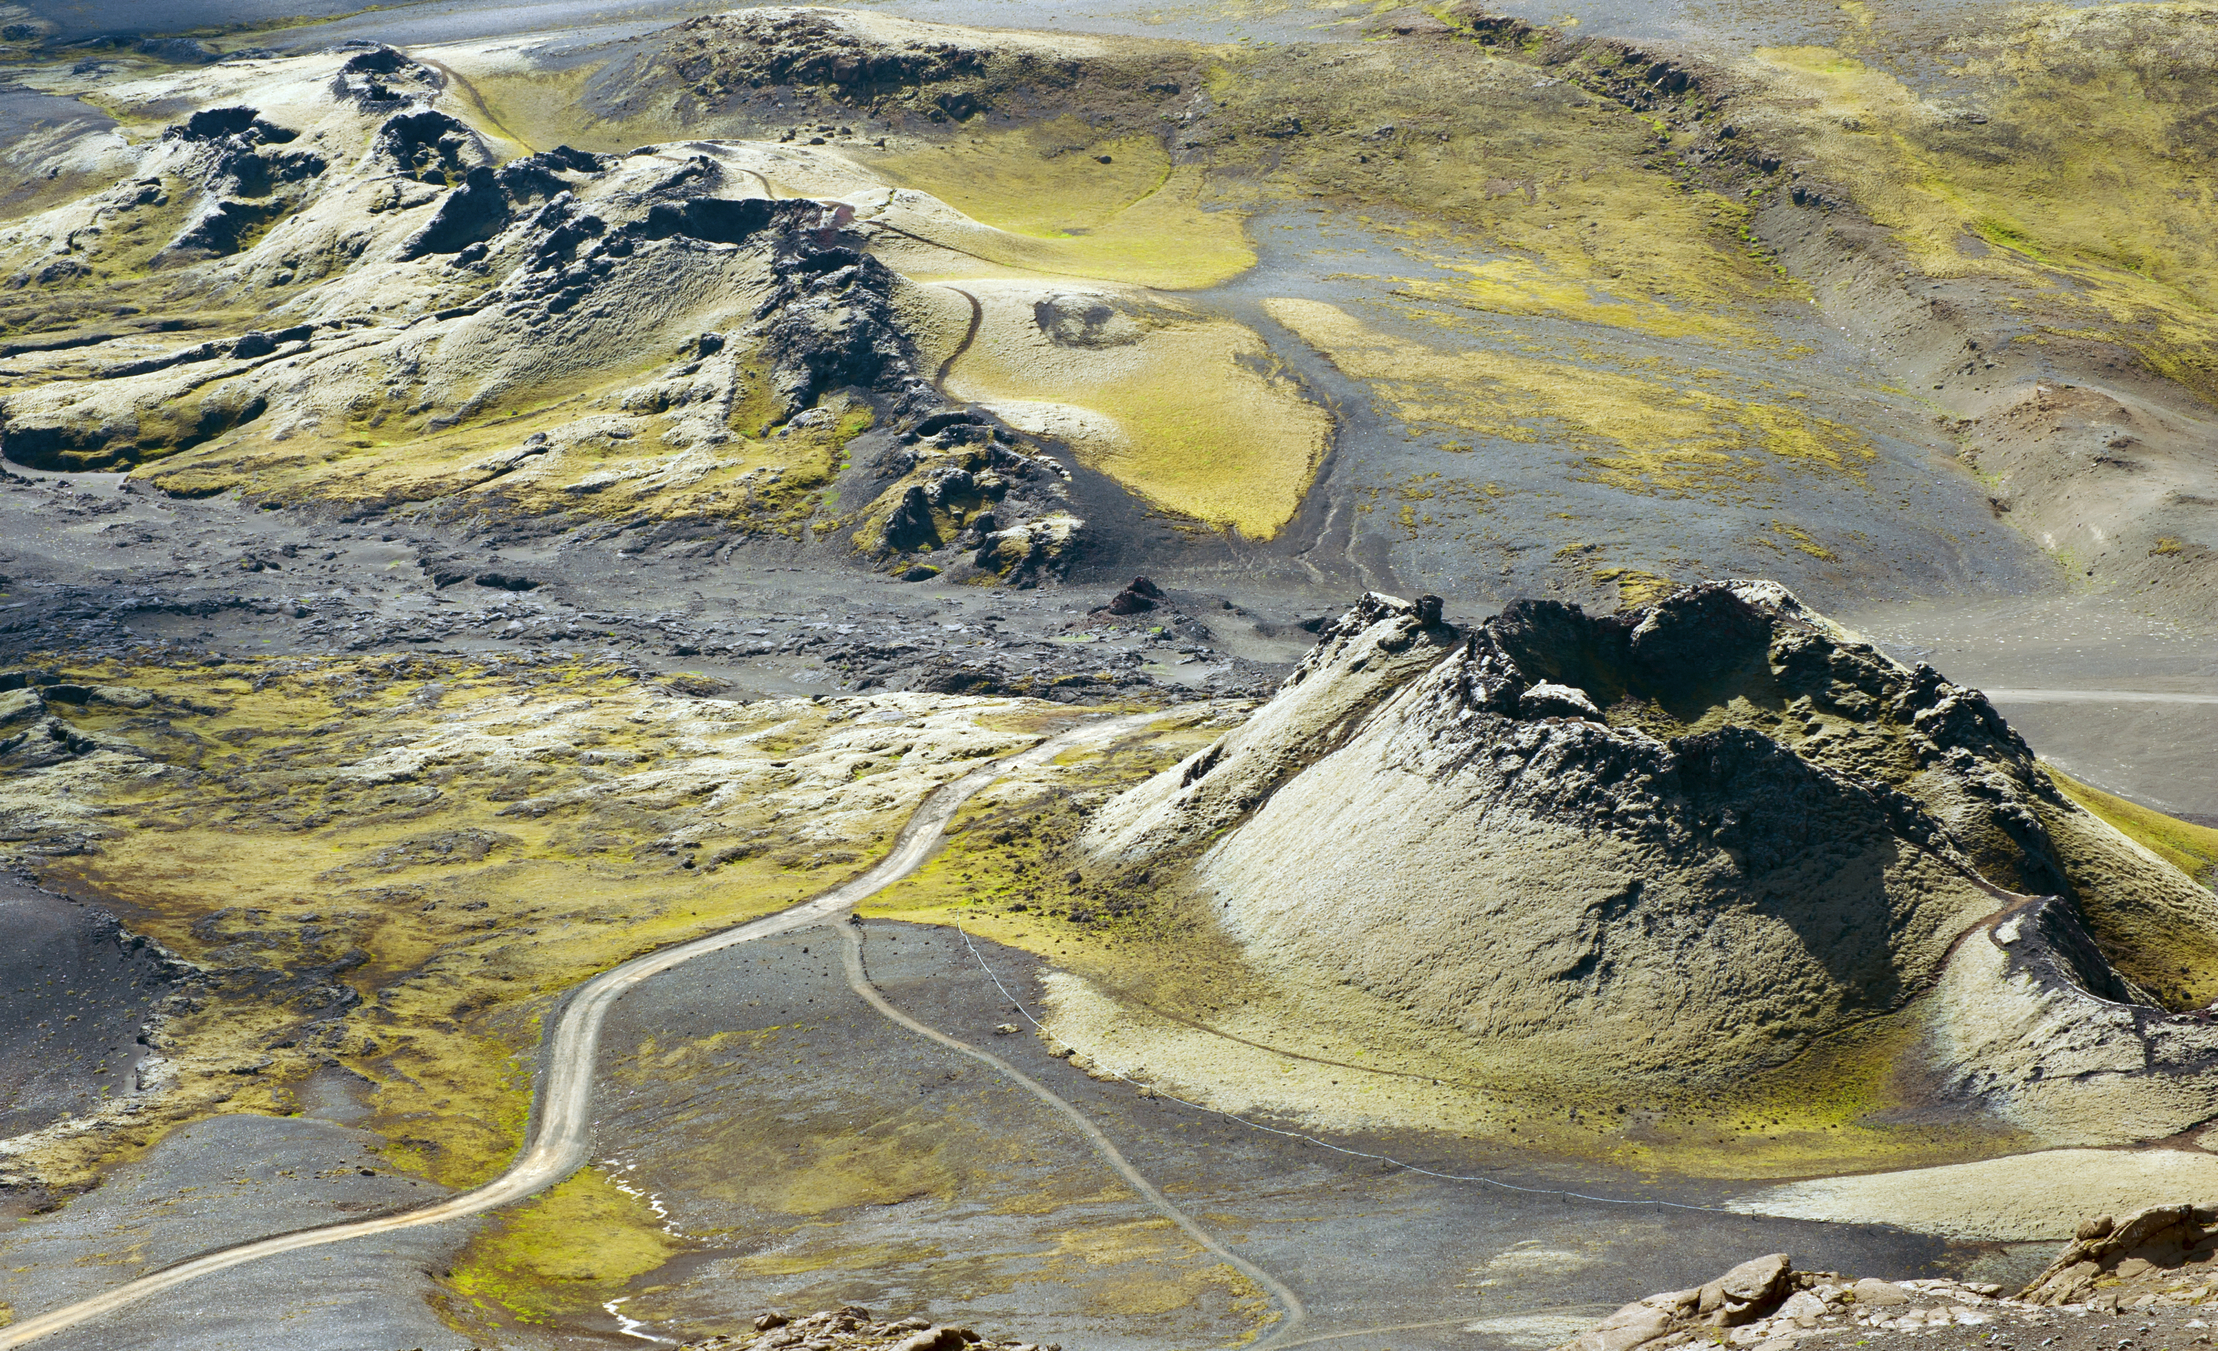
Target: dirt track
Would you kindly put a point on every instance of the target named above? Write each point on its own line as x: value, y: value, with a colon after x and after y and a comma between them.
x: 562, y: 1132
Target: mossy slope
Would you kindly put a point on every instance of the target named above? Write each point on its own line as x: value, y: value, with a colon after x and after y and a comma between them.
x: 394, y: 865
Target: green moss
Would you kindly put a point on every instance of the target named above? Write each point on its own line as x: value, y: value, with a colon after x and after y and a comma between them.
x: 457, y: 915
x: 551, y: 108
x: 2006, y: 236
x: 1010, y: 849
x: 2083, y: 175
x: 1194, y: 413
x: 1545, y: 203
x: 1636, y: 431
x: 2191, y: 848
x: 1850, y: 1102
x: 769, y: 479
x: 568, y: 1249
x: 1635, y: 587
x: 1070, y: 202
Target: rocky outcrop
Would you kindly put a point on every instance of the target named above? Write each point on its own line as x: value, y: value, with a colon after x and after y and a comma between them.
x: 36, y: 713
x: 1139, y: 598
x: 852, y: 1328
x: 378, y: 78
x: 965, y: 500
x: 2165, y: 1256
x: 1036, y: 551
x: 243, y: 181
x: 1767, y: 1304
x: 761, y: 48
x: 848, y: 66
x: 426, y: 286
x: 487, y: 200
x: 864, y: 63
x: 1676, y: 847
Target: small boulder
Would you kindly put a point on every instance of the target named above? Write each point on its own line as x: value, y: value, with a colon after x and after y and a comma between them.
x: 1550, y: 700
x: 122, y: 696
x: 910, y: 527
x: 1803, y: 1307
x: 1627, y: 1328
x: 1746, y: 1293
x: 1138, y: 598
x: 1756, y: 1281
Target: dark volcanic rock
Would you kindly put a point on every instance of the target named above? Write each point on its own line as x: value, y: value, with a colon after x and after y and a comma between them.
x: 76, y: 993
x: 1137, y: 598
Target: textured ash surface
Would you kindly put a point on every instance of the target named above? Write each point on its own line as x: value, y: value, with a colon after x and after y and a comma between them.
x: 1366, y: 1246
x: 76, y: 992
x: 94, y: 571
x: 224, y: 1181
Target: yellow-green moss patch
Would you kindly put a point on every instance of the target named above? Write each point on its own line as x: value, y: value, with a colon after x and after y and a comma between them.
x: 1067, y: 202
x: 444, y: 846
x: 1191, y: 412
x: 568, y: 1249
x: 1635, y: 432
x: 2191, y: 848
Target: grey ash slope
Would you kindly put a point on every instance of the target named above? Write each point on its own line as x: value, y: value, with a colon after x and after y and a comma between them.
x: 77, y: 996
x: 1677, y: 847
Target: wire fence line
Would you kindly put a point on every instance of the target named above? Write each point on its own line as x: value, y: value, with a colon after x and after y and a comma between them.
x: 1306, y: 1138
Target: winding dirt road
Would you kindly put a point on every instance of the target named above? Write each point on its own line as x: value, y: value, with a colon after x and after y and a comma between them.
x: 1293, y: 1314
x: 562, y: 1129
x: 2097, y: 697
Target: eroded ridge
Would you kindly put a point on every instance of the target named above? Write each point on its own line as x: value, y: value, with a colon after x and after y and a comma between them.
x: 1683, y: 845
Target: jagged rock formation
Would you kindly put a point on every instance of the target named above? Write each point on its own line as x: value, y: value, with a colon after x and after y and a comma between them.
x: 2165, y: 1256
x: 2160, y: 1258
x: 1765, y: 1303
x: 37, y: 712
x: 555, y: 334
x: 853, y: 1327
x: 1680, y: 845
x: 717, y: 55
x: 965, y: 496
x: 884, y: 67
x: 649, y: 232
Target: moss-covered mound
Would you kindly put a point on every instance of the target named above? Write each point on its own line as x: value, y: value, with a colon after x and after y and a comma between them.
x: 1675, y: 849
